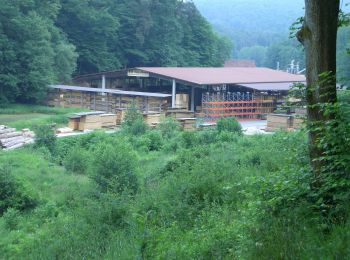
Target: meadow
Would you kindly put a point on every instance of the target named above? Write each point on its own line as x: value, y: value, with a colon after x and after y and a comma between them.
x: 164, y: 193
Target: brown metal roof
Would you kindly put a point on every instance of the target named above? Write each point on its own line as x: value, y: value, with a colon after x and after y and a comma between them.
x: 240, y: 63
x: 229, y: 75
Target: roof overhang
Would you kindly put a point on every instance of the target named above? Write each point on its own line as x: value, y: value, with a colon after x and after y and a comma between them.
x: 281, y: 86
x: 111, y: 91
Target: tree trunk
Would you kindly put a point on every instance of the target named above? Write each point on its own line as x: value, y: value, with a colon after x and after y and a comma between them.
x: 319, y: 37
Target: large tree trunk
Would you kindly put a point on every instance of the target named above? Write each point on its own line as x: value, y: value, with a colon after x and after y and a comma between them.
x: 319, y: 37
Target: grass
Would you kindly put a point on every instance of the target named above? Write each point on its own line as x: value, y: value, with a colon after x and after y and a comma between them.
x: 202, y: 195
x: 22, y: 116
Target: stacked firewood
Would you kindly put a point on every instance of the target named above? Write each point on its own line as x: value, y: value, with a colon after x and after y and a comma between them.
x: 11, y: 139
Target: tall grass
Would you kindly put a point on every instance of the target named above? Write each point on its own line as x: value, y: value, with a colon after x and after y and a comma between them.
x: 202, y: 195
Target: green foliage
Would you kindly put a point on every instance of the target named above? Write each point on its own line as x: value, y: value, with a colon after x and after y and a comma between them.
x: 257, y: 53
x: 151, y: 195
x: 229, y: 124
x: 133, y: 122
x: 45, y: 137
x: 12, y: 194
x: 77, y: 161
x: 168, y: 127
x: 34, y: 51
x: 332, y: 186
x: 114, y: 168
x: 114, y: 34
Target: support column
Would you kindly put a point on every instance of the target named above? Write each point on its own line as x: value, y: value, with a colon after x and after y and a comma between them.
x: 173, y: 97
x: 192, y: 99
x: 103, y: 84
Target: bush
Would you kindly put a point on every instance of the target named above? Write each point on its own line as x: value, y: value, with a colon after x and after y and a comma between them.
x: 229, y: 124
x: 12, y: 194
x: 168, y: 127
x: 77, y: 161
x: 114, y: 168
x: 133, y: 123
x: 156, y: 140
x: 45, y: 137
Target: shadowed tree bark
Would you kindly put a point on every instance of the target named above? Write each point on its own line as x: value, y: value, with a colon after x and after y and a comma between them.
x: 319, y: 37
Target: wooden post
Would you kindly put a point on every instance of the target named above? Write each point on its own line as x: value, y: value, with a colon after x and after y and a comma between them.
x: 192, y: 99
x: 173, y: 97
x: 103, y: 84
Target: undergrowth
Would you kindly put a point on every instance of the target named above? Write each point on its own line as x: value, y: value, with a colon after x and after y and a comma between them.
x: 152, y: 194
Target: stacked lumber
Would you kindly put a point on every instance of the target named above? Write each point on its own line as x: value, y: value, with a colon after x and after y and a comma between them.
x: 73, y: 122
x: 182, y: 100
x: 153, y: 119
x: 180, y: 113
x: 108, y: 120
x: 188, y: 124
x: 278, y: 121
x: 298, y: 122
x: 90, y: 121
x: 93, y: 120
x: 120, y: 115
x: 11, y: 139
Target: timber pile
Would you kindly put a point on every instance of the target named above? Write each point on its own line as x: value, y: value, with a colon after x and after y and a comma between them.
x: 182, y: 100
x: 180, y: 113
x: 153, y: 119
x: 108, y: 120
x: 109, y: 103
x: 188, y: 124
x: 11, y: 139
x: 298, y: 122
x: 92, y: 121
x: 278, y: 121
x: 285, y: 122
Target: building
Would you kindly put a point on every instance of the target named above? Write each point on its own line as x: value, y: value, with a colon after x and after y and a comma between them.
x: 245, y: 93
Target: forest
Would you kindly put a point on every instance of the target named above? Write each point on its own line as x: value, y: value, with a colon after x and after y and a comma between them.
x: 262, y: 33
x: 161, y: 192
x: 45, y: 42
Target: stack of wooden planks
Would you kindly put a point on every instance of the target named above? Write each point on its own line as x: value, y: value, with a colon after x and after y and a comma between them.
x: 153, y: 119
x: 92, y: 121
x: 284, y: 122
x: 180, y: 113
x: 11, y: 139
x: 108, y: 120
x: 278, y: 121
x: 188, y: 124
x: 298, y: 121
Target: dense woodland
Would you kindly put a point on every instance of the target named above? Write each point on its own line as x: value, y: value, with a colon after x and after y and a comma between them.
x: 262, y: 33
x: 47, y: 41
x: 161, y: 192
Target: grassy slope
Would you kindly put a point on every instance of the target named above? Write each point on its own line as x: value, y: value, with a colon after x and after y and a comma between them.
x: 28, y: 116
x: 221, y: 195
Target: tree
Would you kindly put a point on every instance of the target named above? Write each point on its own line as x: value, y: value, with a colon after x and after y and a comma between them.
x: 319, y: 37
x: 33, y: 51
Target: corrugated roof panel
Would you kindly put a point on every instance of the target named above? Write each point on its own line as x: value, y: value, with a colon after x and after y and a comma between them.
x: 112, y: 91
x: 218, y: 76
x: 270, y: 86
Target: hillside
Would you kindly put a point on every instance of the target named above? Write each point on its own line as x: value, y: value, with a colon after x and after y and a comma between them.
x: 267, y: 15
x: 259, y: 22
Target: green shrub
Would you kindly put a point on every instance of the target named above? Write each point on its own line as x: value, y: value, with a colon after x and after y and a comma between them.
x: 133, y: 122
x: 156, y: 140
x: 11, y: 218
x: 114, y: 167
x: 45, y: 137
x: 169, y: 127
x: 77, y: 161
x: 12, y: 193
x: 229, y: 124
x: 189, y: 139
